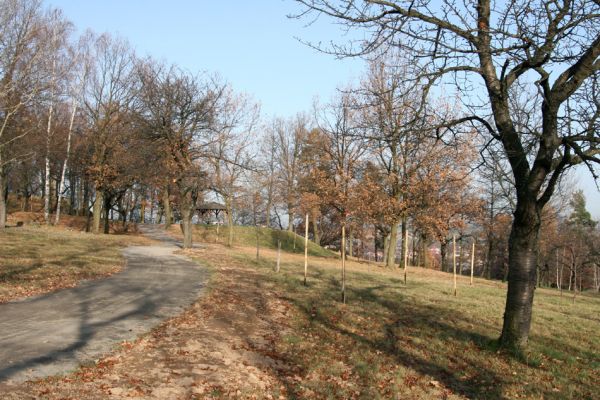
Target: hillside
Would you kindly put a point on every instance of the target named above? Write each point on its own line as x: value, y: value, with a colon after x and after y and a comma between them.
x: 245, y: 236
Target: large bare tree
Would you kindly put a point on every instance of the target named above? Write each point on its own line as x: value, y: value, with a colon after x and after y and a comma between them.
x: 291, y: 136
x: 486, y: 49
x: 177, y: 112
x: 107, y: 99
x: 395, y: 118
x: 24, y: 51
x: 228, y: 153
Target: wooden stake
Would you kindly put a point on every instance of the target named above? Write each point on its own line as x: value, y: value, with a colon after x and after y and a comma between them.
x: 278, y: 254
x: 305, y: 250
x: 344, y: 263
x: 472, y: 260
x: 454, y: 261
x: 405, y: 253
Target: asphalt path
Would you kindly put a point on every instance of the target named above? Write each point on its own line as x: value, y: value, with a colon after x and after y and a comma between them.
x: 55, y: 333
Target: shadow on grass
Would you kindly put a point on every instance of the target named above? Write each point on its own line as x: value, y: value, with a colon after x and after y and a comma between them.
x: 83, y: 322
x: 398, y: 338
x: 314, y: 305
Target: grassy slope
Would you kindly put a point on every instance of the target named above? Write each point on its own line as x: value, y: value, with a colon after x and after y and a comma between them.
x: 35, y: 260
x: 268, y: 238
x: 419, y: 341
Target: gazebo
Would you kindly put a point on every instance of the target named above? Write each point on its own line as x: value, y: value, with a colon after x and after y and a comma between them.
x: 211, y: 207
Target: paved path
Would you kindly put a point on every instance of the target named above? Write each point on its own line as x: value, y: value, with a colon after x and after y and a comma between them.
x: 54, y: 333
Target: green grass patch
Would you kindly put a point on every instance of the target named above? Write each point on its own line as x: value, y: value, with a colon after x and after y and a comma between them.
x: 267, y: 238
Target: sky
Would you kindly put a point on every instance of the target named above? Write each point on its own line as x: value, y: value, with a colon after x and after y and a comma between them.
x: 252, y: 44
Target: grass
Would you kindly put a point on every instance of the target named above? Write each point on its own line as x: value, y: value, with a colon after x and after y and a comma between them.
x: 418, y: 340
x: 267, y: 238
x: 39, y: 259
x: 390, y: 341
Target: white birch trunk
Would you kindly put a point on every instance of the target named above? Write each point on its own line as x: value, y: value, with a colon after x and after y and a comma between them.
x: 65, y: 163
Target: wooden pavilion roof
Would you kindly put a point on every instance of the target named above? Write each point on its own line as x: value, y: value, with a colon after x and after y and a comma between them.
x: 211, y: 206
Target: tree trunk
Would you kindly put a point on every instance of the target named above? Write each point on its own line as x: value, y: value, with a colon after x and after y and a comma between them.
x: 73, y: 183
x: 316, y: 234
x: 424, y: 248
x: 268, y: 210
x: 47, y: 178
x: 386, y: 243
x: 404, y: 235
x: 351, y: 243
x: 97, y: 209
x: 443, y: 256
x: 107, y: 210
x: 454, y: 262
x: 523, y: 245
x: 460, y: 256
x: 393, y: 242
x: 344, y: 263
x: 167, y: 207
x: 186, y: 226
x: 305, y: 250
x: 83, y: 195
x: 3, y: 202
x: 229, y: 212
x: 278, y: 255
x: 290, y: 217
x: 143, y: 209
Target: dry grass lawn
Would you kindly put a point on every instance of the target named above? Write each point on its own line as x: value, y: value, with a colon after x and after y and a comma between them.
x: 36, y: 259
x: 258, y: 334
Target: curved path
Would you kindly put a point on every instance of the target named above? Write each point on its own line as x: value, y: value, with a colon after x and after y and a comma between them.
x: 54, y: 333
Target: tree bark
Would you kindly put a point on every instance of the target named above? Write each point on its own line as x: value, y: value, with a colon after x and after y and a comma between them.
x: 97, y: 209
x: 523, y: 245
x: 424, y: 251
x: 404, y: 236
x: 3, y: 202
x: 316, y: 233
x: 290, y: 217
x: 305, y: 250
x: 343, y: 263
x: 386, y: 244
x: 143, y: 209
x: 443, y: 256
x: 393, y: 242
x: 107, y: 209
x: 168, y: 212
x: 186, y: 226
x: 229, y: 211
x: 350, y: 242
x: 61, y: 186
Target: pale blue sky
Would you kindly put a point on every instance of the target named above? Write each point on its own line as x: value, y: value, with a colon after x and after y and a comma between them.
x: 250, y: 43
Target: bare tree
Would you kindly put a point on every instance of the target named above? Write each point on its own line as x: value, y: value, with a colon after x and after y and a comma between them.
x: 395, y: 117
x: 229, y: 155
x: 291, y: 136
x: 74, y: 90
x: 337, y: 176
x: 552, y: 47
x: 177, y: 113
x: 24, y: 51
x: 108, y: 96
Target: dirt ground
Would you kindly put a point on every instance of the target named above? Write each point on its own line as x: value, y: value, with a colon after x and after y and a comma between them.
x: 221, y: 347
